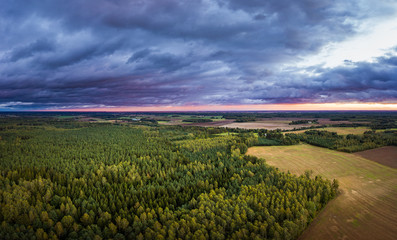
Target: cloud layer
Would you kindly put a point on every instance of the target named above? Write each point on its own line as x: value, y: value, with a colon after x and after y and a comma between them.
x: 98, y: 53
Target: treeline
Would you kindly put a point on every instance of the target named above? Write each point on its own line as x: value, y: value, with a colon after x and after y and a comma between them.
x: 241, y: 117
x: 348, y: 143
x: 322, y: 138
x: 101, y: 181
x: 384, y: 124
x: 276, y: 137
x: 245, y: 119
x: 296, y: 122
x: 197, y: 120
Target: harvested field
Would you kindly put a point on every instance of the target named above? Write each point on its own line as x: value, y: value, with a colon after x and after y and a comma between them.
x: 338, y: 130
x: 384, y: 155
x: 261, y: 123
x: 265, y: 124
x: 367, y: 205
x: 215, y: 123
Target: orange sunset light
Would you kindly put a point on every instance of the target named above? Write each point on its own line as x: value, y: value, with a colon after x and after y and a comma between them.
x: 254, y: 107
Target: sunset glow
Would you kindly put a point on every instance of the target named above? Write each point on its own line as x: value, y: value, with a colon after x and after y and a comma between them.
x: 267, y: 107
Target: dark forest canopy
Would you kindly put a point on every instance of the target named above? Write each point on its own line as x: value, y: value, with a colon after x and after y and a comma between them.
x: 66, y: 179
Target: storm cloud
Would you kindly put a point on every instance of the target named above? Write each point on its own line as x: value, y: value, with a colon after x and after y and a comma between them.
x: 102, y: 53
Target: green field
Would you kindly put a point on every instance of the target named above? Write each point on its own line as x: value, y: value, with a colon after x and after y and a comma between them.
x: 391, y: 129
x: 162, y: 122
x: 218, y: 119
x: 367, y: 205
x: 226, y: 134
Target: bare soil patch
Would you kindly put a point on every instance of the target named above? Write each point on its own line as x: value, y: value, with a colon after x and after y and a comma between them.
x: 384, y: 155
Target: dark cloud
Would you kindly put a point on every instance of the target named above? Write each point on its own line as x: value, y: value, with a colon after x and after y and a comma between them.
x: 41, y: 45
x: 358, y: 81
x: 136, y: 53
x: 149, y: 61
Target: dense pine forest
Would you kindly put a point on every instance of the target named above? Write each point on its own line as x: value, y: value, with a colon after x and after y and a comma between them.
x: 63, y: 179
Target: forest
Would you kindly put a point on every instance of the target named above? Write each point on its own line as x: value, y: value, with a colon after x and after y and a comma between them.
x: 350, y: 142
x: 304, y: 121
x: 65, y: 179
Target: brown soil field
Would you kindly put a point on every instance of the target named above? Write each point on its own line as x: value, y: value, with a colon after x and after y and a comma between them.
x: 366, y: 208
x: 384, y: 155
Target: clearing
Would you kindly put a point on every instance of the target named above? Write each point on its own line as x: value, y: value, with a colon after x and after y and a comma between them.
x: 367, y: 205
x: 384, y: 155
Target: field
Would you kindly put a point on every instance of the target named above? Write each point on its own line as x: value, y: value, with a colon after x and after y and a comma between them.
x: 339, y: 130
x: 384, y: 155
x: 219, y: 122
x: 367, y: 205
x: 264, y: 124
x: 390, y: 129
x: 270, y: 123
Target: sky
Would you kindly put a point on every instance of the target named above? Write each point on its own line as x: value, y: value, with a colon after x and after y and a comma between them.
x: 198, y: 55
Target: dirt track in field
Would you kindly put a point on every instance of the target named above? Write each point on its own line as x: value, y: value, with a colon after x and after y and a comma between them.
x: 384, y: 155
x: 367, y: 205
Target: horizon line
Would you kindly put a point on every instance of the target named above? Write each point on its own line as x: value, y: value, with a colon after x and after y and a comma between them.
x: 354, y: 106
